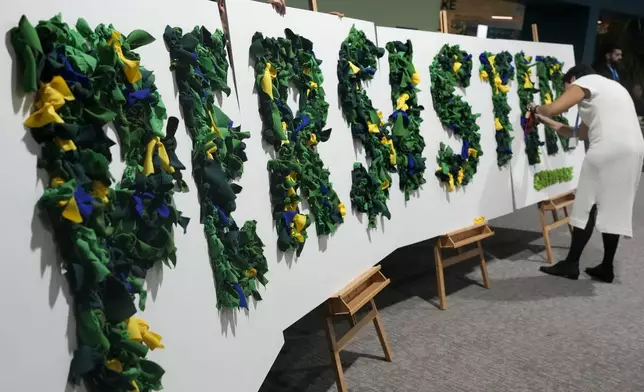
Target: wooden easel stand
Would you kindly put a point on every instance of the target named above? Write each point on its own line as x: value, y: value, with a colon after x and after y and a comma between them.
x: 458, y: 240
x: 346, y: 304
x: 561, y: 202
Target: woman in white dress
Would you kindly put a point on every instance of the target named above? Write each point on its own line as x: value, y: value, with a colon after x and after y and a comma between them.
x: 611, y: 170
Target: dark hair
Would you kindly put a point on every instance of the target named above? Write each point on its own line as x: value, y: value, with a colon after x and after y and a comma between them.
x: 609, y: 49
x: 577, y: 72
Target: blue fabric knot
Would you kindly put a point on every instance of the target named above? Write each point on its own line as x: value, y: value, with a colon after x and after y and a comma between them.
x: 163, y: 210
x: 505, y: 76
x: 136, y: 96
x: 524, y: 122
x: 199, y: 73
x: 465, y: 149
x: 194, y: 55
x: 288, y: 217
x: 369, y: 70
x: 230, y: 124
x: 468, y: 56
x: 540, y: 58
x: 85, y: 201
x: 453, y: 127
x: 397, y: 113
x: 324, y: 189
x: 222, y: 216
x: 69, y: 74
x: 484, y: 60
x: 126, y: 283
x: 242, y: 297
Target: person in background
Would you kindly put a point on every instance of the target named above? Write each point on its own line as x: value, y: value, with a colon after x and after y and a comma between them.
x: 611, y: 170
x: 639, y: 102
x: 612, y: 59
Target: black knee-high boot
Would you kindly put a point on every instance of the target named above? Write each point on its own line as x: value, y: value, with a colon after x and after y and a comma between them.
x: 569, y: 268
x: 604, y: 271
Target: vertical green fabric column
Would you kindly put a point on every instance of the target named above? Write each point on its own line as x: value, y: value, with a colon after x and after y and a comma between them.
x: 549, y: 69
x: 298, y: 167
x: 498, y: 71
x: 370, y: 188
x: 198, y: 60
x: 526, y: 93
x: 108, y: 236
x: 406, y: 120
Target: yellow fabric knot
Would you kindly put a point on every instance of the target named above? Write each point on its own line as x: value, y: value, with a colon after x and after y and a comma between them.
x: 300, y: 221
x: 284, y: 126
x: 385, y: 185
x: 51, y: 97
x: 292, y: 177
x: 312, y: 84
x: 415, y: 78
x: 43, y: 116
x: 313, y: 140
x: 71, y: 211
x: 498, y: 82
x: 354, y: 69
x: 251, y: 273
x: 100, y: 191
x: 132, y: 72
x: 392, y: 155
x: 492, y: 60
x: 461, y: 175
x: 528, y: 59
x: 56, y: 181
x: 479, y: 220
x: 65, y: 144
x: 484, y: 75
x: 401, y: 104
x: 547, y: 99
x: 291, y: 192
x: 527, y: 83
x: 342, y: 209
x: 298, y: 236
x: 452, y: 188
x: 373, y: 128
x: 307, y: 70
x: 292, y: 206
x: 270, y: 73
x: 211, y: 151
x: 472, y: 152
x: 497, y: 124
x: 114, y: 365
x: 148, y: 166
x: 457, y: 66
x: 213, y: 125
x: 139, y: 331
x: 56, y: 93
x: 380, y: 115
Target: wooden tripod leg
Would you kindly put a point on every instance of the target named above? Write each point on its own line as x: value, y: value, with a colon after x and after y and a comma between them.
x: 335, y: 356
x: 353, y: 320
x: 568, y: 216
x: 486, y: 280
x: 440, y: 279
x: 377, y: 322
x: 546, y: 234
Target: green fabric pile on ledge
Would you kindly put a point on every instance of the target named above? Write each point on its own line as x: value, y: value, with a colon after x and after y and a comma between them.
x: 546, y: 178
x: 108, y: 236
x: 526, y: 93
x: 498, y: 71
x: 452, y: 68
x: 279, y: 62
x: 199, y: 62
x: 550, y: 69
x: 406, y: 120
x: 370, y: 188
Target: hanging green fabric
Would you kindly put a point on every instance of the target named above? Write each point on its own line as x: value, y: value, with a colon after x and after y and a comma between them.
x: 198, y: 60
x: 526, y: 93
x: 407, y: 141
x: 298, y: 166
x: 108, y: 236
x: 358, y: 63
x: 452, y: 68
x: 498, y: 71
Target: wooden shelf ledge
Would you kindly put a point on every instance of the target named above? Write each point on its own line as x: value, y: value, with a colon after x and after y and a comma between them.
x: 466, y: 236
x: 360, y: 291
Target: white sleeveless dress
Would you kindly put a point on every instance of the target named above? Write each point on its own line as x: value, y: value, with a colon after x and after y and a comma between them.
x: 612, y: 168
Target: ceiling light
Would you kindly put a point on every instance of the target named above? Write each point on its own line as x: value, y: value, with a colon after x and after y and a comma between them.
x: 497, y: 17
x: 599, y: 22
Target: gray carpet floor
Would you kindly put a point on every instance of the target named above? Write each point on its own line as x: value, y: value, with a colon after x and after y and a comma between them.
x: 529, y: 332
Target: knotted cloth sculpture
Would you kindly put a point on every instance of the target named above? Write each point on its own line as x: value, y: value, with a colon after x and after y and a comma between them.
x: 369, y: 188
x: 526, y: 93
x: 199, y: 62
x: 279, y: 62
x: 108, y: 236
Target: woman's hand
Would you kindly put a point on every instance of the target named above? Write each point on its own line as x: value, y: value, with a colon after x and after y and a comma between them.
x: 279, y: 5
x: 532, y: 107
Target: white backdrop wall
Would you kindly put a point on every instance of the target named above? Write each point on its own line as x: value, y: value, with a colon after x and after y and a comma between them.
x: 205, y: 348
